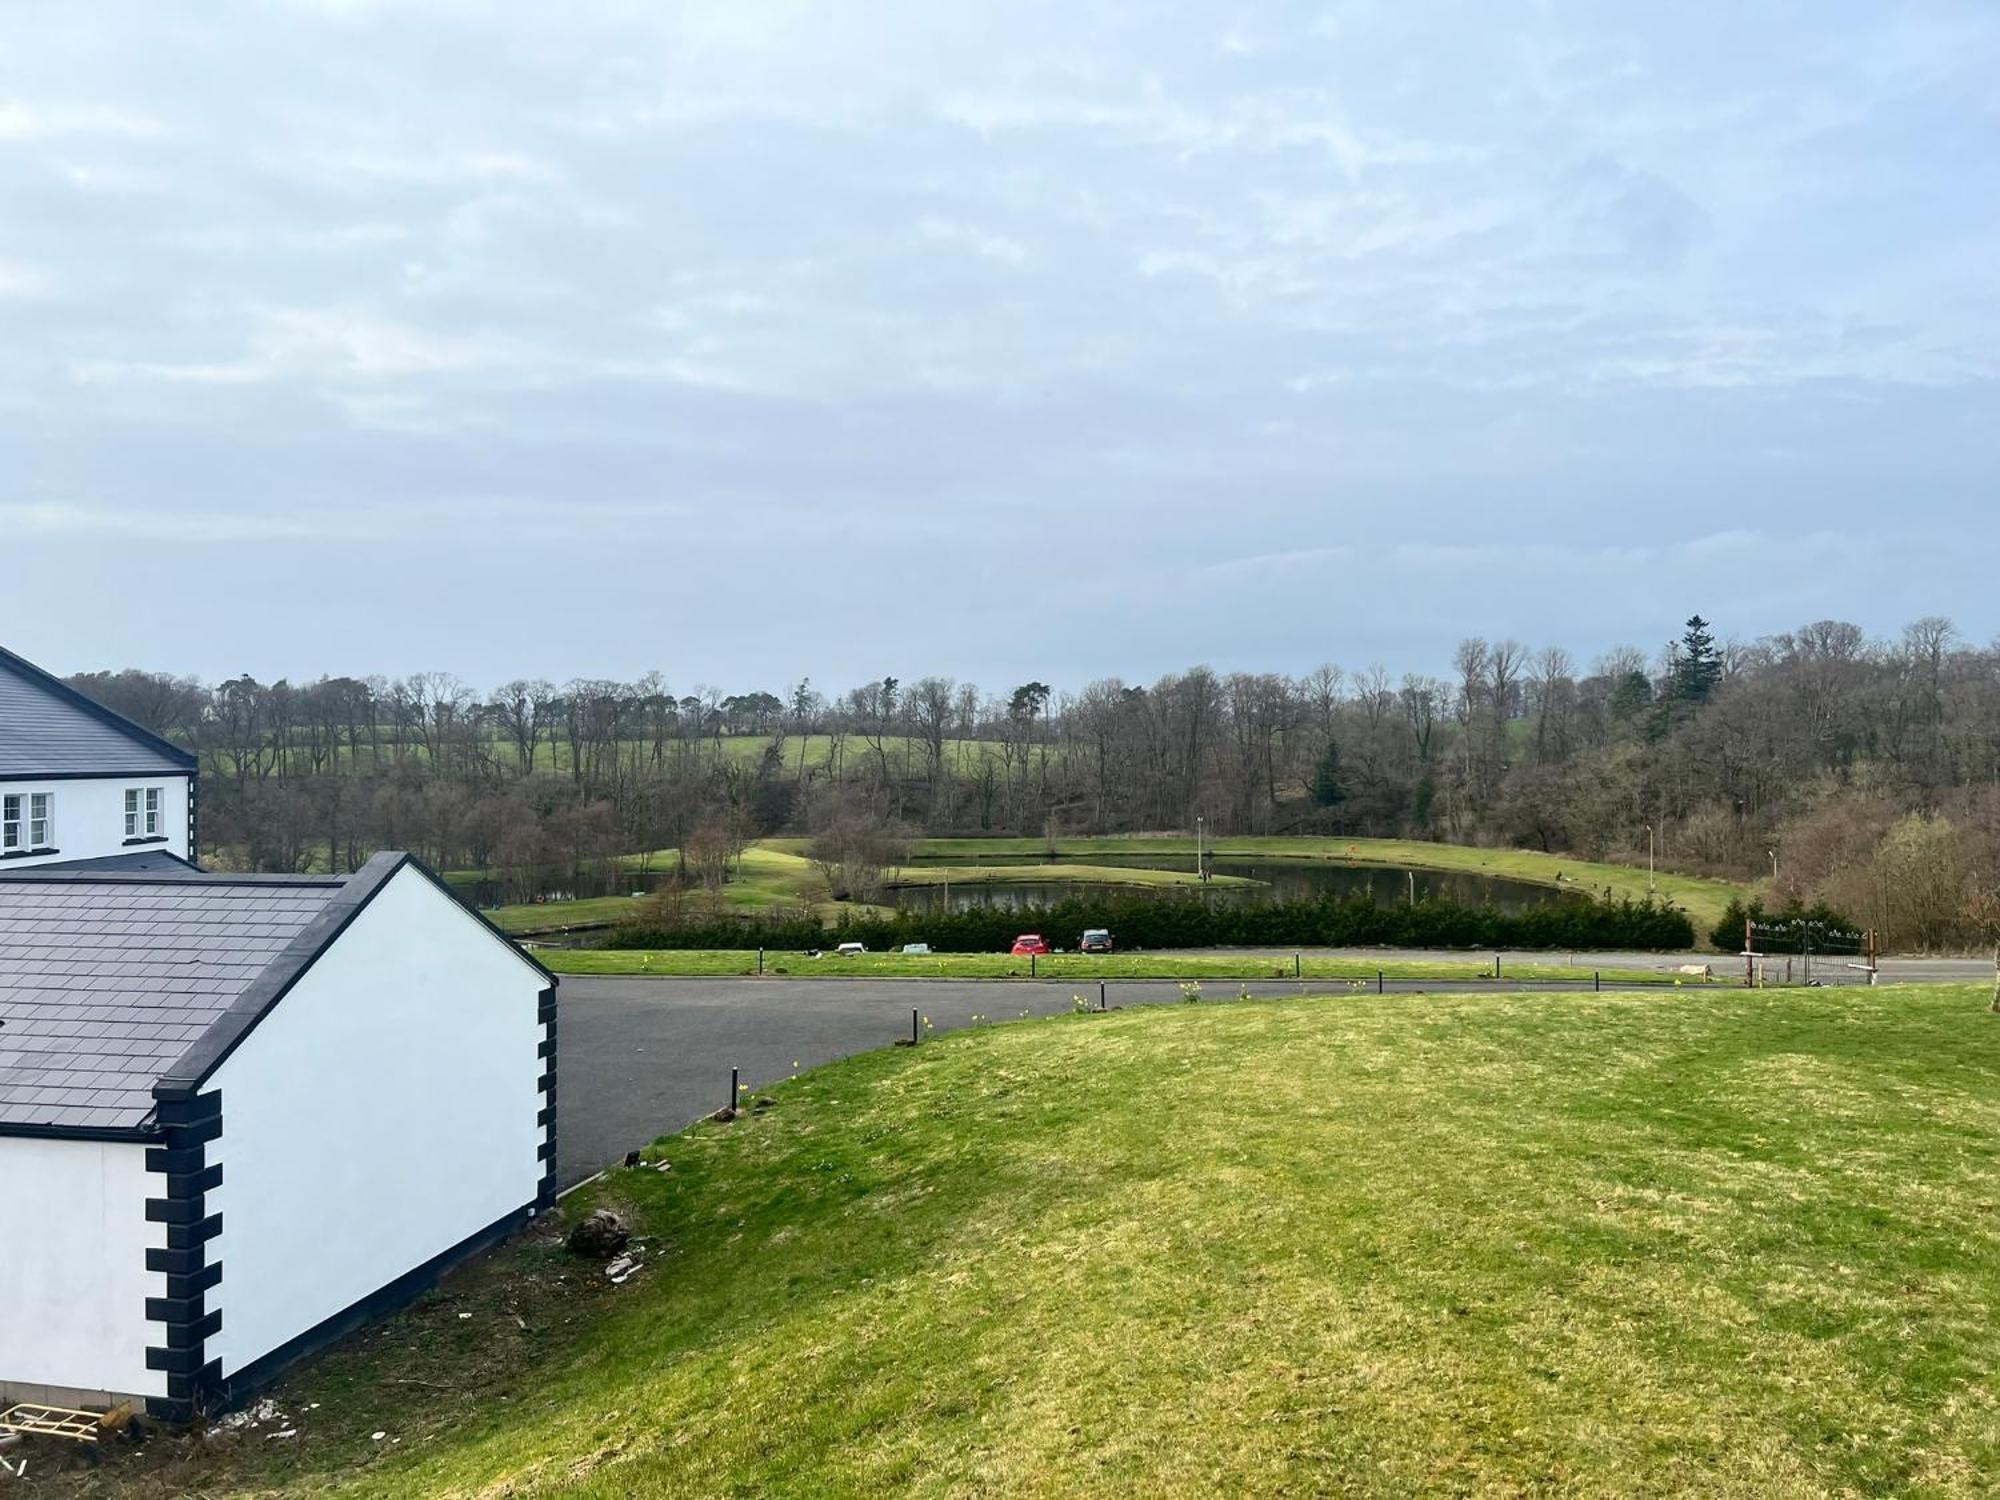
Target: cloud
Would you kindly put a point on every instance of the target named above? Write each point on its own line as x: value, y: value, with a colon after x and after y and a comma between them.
x: 22, y: 282
x: 981, y: 242
x: 495, y: 519
x: 20, y: 121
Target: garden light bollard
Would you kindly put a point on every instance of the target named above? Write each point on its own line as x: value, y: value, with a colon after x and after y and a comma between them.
x: 760, y: 960
x: 1597, y: 979
x: 1380, y: 984
x: 735, y: 1087
x: 914, y: 1034
x: 1100, y: 995
x: 1496, y: 966
x: 1298, y: 969
x: 1031, y: 966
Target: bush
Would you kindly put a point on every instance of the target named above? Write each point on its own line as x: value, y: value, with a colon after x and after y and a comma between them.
x: 1150, y: 922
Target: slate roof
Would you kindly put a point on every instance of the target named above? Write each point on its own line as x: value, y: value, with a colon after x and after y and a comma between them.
x: 47, y: 728
x: 106, y: 981
x: 138, y: 862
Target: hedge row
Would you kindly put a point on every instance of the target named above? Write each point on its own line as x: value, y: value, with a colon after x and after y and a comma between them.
x: 1140, y: 922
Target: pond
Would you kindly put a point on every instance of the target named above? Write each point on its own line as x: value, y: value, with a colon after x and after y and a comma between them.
x: 1281, y: 880
x: 604, y: 879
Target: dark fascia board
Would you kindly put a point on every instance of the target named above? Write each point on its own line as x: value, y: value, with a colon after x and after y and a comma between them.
x: 56, y: 687
x: 226, y: 1033
x: 148, y: 1133
x: 127, y: 777
x: 192, y: 875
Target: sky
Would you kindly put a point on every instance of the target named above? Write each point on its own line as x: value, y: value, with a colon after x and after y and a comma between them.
x: 748, y: 341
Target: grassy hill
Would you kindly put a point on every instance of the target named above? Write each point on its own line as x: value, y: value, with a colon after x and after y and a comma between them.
x: 1718, y: 1244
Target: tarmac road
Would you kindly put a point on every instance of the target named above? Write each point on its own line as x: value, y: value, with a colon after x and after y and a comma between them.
x: 641, y: 1058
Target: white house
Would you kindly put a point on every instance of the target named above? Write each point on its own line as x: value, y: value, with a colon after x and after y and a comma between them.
x: 240, y: 1115
x: 79, y: 782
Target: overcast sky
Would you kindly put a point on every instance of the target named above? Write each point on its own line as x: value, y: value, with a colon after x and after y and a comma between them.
x: 1055, y: 340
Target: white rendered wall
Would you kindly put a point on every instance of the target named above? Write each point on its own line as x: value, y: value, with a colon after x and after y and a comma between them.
x: 381, y: 1113
x: 88, y: 817
x: 73, y: 1277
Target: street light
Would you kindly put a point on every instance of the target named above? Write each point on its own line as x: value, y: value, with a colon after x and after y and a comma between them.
x: 1651, y: 885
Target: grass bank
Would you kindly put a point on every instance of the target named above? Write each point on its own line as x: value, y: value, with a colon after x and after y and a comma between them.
x: 718, y: 962
x: 1735, y: 1245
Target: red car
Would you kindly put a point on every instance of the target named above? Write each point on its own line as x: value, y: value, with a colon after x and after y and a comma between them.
x: 1029, y: 942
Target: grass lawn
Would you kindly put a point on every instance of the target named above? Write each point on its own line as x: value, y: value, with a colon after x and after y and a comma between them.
x: 734, y: 961
x: 1703, y: 899
x: 1722, y: 1244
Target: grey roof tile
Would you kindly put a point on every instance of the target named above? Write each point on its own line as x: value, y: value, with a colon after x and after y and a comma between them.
x: 47, y: 728
x: 105, y: 982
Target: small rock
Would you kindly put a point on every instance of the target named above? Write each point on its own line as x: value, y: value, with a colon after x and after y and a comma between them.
x: 600, y: 1234
x: 376, y: 1437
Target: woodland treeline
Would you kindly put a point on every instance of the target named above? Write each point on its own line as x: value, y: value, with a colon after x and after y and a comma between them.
x: 1863, y: 772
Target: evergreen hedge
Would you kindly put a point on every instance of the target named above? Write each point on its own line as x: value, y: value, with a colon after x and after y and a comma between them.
x: 1143, y: 922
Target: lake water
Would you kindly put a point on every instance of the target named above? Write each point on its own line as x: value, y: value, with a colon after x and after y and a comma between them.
x: 1283, y: 880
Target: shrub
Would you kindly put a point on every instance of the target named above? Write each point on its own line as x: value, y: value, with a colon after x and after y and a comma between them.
x: 1152, y: 922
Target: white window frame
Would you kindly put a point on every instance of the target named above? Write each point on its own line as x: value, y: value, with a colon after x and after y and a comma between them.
x: 41, y: 820
x: 142, y: 811
x: 10, y: 821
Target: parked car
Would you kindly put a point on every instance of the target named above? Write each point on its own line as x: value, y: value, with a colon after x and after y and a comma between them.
x: 1095, y: 940
x: 1027, y: 943
x: 916, y: 950
x: 850, y: 950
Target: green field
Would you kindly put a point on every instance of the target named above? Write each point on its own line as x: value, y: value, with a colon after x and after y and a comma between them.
x: 1728, y: 1245
x: 716, y: 962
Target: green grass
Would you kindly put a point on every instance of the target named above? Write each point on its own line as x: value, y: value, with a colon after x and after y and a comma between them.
x: 731, y: 961
x: 1722, y: 1244
x: 1704, y: 899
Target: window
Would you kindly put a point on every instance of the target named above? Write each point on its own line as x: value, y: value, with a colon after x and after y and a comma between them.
x: 142, y: 812
x: 39, y: 831
x: 10, y: 821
